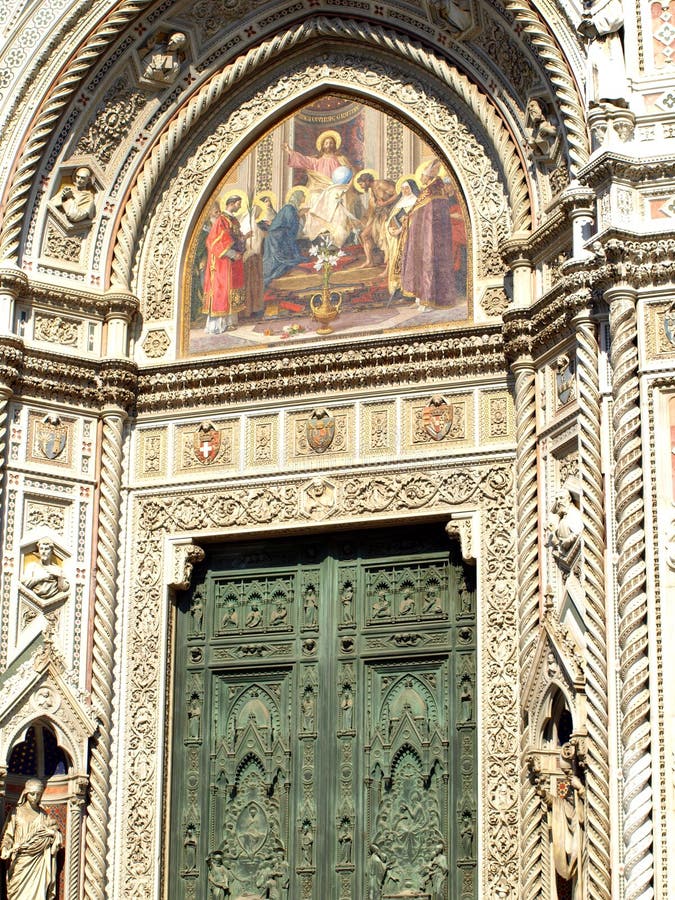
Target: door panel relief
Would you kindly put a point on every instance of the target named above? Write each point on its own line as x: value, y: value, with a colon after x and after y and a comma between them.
x: 324, y: 743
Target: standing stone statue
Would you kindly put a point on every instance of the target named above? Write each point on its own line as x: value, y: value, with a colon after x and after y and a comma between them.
x: 30, y: 841
x: 602, y: 26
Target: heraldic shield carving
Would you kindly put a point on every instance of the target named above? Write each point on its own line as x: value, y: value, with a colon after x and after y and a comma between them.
x: 437, y: 417
x: 52, y: 435
x: 320, y: 430
x: 206, y: 443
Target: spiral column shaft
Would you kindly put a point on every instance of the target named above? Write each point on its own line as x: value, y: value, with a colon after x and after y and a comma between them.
x: 528, y: 605
x: 102, y: 665
x: 593, y: 581
x: 632, y: 599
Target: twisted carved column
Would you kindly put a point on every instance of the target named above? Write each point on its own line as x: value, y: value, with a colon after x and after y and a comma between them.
x: 528, y: 607
x: 593, y: 581
x: 102, y: 665
x: 631, y: 579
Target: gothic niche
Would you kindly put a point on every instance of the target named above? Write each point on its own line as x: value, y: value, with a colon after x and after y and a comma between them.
x: 557, y: 774
x: 340, y: 220
x: 250, y: 780
x: 406, y: 796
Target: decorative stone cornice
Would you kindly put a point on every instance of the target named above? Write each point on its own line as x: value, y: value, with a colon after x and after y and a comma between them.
x: 612, y: 166
x: 415, y: 360
x: 12, y: 279
x: 11, y: 360
x: 77, y: 300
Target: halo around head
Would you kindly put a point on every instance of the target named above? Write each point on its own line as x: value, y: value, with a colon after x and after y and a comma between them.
x: 298, y: 189
x: 403, y: 179
x: 429, y: 165
x: 234, y: 192
x: 359, y: 174
x: 325, y: 134
x: 259, y: 197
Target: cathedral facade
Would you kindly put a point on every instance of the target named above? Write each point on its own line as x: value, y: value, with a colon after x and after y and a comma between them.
x: 337, y: 416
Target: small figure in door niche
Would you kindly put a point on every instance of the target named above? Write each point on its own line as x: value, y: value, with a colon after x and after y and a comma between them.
x: 254, y: 617
x: 347, y: 600
x: 190, y: 849
x: 307, y: 844
x: 345, y: 841
x: 466, y: 700
x: 432, y: 602
x: 466, y: 834
x: 311, y: 607
x: 279, y: 615
x: 219, y: 878
x: 407, y: 605
x: 30, y: 842
x: 378, y: 867
x: 197, y: 613
x: 231, y: 617
x: 308, y: 710
x: 194, y: 717
x: 381, y: 608
x: 347, y: 707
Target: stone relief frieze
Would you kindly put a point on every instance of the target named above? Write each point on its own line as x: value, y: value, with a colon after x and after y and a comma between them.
x: 359, y: 496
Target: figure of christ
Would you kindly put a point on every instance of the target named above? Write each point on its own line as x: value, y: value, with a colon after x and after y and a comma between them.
x: 224, y: 277
x: 381, y: 197
x: 331, y: 205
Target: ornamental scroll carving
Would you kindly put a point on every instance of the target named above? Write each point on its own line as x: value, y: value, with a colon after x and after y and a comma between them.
x: 358, y: 497
x: 453, y: 133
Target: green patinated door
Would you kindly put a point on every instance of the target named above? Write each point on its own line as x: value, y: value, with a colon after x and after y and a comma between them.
x: 324, y: 726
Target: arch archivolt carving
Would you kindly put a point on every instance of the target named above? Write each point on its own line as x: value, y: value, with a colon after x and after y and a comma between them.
x: 484, y: 183
x: 258, y: 508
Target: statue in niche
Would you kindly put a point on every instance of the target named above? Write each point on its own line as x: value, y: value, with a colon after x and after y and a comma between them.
x: 307, y: 844
x: 218, y: 877
x: 44, y: 577
x: 432, y: 602
x: 345, y: 841
x: 567, y: 818
x: 435, y: 873
x: 190, y: 849
x: 407, y: 605
x: 254, y: 617
x: 30, y: 842
x: 566, y: 525
x: 231, y: 617
x: 381, y: 608
x: 278, y: 615
x: 194, y: 717
x: 162, y: 64
x: 466, y: 834
x: 76, y: 201
x: 466, y: 700
x: 347, y: 707
x: 542, y: 134
x: 197, y: 613
x: 311, y: 607
x: 307, y: 706
x: 602, y: 27
x: 347, y: 601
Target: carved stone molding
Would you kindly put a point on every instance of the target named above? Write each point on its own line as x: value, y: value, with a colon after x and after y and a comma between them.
x: 257, y: 507
x: 464, y: 528
x: 185, y: 556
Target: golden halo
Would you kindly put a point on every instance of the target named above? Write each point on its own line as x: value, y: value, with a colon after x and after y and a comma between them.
x: 399, y: 183
x: 303, y: 190
x: 324, y: 134
x: 359, y: 174
x: 257, y: 201
x: 442, y: 172
x: 235, y: 192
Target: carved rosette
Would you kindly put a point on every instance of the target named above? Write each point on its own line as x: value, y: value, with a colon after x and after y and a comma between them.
x: 359, y: 497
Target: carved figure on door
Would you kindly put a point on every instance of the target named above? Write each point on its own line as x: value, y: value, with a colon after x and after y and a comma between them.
x: 279, y: 615
x: 407, y: 605
x: 218, y: 877
x: 347, y: 600
x: 311, y: 607
x: 436, y: 872
x: 307, y: 844
x: 381, y: 608
x: 347, y: 707
x: 231, y: 617
x: 254, y: 617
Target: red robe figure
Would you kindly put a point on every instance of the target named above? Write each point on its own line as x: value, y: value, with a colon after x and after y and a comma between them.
x: 224, y: 277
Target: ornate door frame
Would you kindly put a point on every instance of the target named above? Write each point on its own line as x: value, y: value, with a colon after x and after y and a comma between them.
x: 163, y: 531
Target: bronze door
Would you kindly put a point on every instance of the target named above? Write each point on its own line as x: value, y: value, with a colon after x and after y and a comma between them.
x: 324, y: 728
